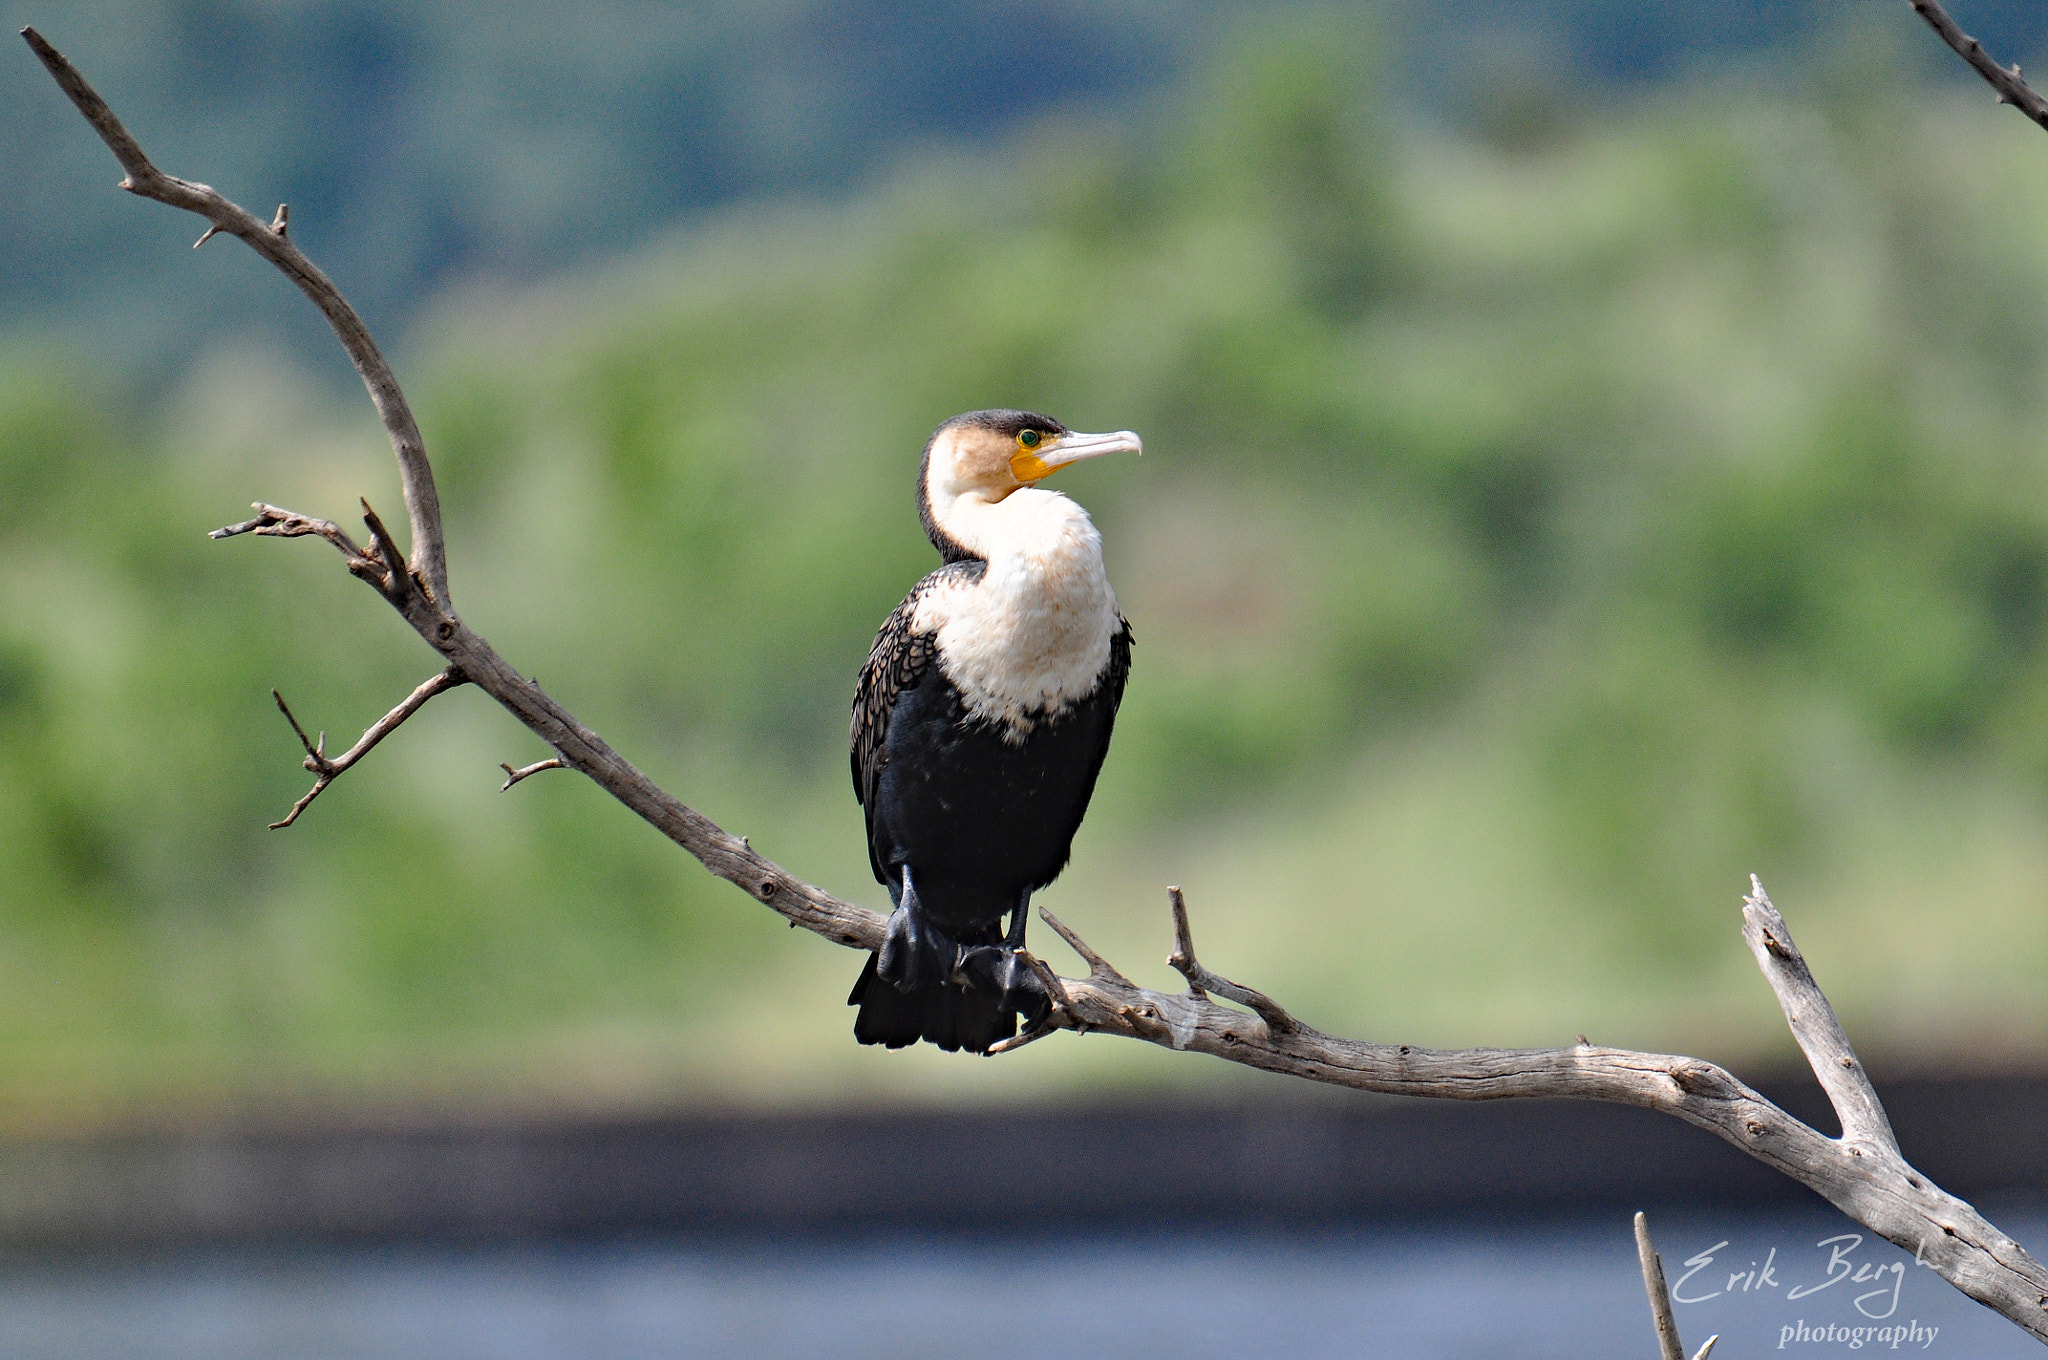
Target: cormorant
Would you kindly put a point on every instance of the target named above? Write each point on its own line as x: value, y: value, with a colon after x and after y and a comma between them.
x: 979, y: 725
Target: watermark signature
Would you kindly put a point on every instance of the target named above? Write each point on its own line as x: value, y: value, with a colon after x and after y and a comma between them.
x: 1825, y: 1333
x: 1874, y: 1290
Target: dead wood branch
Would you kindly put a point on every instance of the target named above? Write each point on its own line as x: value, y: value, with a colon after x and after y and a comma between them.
x: 513, y: 776
x: 1098, y: 966
x: 1200, y: 979
x: 1660, y: 1298
x: 1814, y: 1026
x: 2011, y: 88
x: 330, y: 770
x: 269, y: 240
x: 1862, y: 1173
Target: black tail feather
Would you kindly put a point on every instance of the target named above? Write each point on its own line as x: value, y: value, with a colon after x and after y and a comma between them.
x: 944, y: 1013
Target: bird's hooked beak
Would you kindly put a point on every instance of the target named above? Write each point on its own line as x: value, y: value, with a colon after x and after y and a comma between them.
x: 1031, y: 465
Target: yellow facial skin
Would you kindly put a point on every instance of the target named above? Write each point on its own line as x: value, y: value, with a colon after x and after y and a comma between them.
x: 1040, y: 454
x: 1025, y: 464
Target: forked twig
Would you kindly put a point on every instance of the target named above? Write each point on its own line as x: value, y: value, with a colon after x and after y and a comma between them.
x: 372, y: 565
x: 1201, y: 980
x: 330, y: 770
x: 272, y: 522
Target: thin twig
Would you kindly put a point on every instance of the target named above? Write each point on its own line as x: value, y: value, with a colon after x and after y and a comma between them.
x: 272, y: 522
x: 1017, y: 1041
x: 1660, y: 1297
x: 1868, y: 1182
x: 2012, y: 89
x: 330, y: 770
x: 1201, y: 980
x: 316, y: 752
x: 513, y: 776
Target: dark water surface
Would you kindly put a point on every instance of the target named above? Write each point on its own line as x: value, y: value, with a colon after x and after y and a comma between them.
x: 1445, y: 1292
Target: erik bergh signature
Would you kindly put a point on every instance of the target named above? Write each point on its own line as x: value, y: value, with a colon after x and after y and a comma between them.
x: 1879, y: 1302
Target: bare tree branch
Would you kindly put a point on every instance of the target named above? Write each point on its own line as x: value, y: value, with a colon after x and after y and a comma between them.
x: 513, y: 776
x: 330, y: 770
x: 1814, y: 1026
x: 1862, y: 1173
x: 1098, y: 966
x: 269, y: 240
x: 1660, y: 1298
x: 430, y: 612
x: 1200, y: 979
x: 373, y: 566
x: 2011, y: 88
x: 1866, y: 1179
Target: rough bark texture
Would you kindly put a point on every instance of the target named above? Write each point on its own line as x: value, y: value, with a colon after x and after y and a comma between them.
x: 1861, y: 1173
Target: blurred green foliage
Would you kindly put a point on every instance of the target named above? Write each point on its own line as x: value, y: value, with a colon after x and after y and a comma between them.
x: 1538, y: 531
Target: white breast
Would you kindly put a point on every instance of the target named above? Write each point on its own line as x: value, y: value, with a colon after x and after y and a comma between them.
x: 1033, y: 634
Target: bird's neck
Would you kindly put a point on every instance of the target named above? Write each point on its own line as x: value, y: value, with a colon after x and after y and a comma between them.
x: 1026, y: 524
x: 1032, y: 635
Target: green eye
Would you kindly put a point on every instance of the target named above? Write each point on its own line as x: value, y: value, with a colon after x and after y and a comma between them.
x: 1029, y: 439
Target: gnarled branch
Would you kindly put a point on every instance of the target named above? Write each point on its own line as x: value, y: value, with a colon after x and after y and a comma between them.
x: 1862, y: 1173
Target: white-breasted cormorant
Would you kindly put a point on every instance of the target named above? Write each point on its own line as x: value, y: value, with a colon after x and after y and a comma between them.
x: 979, y: 725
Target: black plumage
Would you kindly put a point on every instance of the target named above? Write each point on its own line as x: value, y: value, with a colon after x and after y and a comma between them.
x: 966, y: 817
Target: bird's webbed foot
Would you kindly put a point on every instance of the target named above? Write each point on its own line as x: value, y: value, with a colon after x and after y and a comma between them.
x: 915, y: 953
x: 1001, y: 972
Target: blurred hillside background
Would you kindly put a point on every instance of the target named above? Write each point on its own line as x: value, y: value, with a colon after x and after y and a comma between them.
x: 1594, y: 451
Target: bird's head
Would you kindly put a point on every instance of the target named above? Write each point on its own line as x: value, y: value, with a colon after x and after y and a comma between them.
x: 979, y: 459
